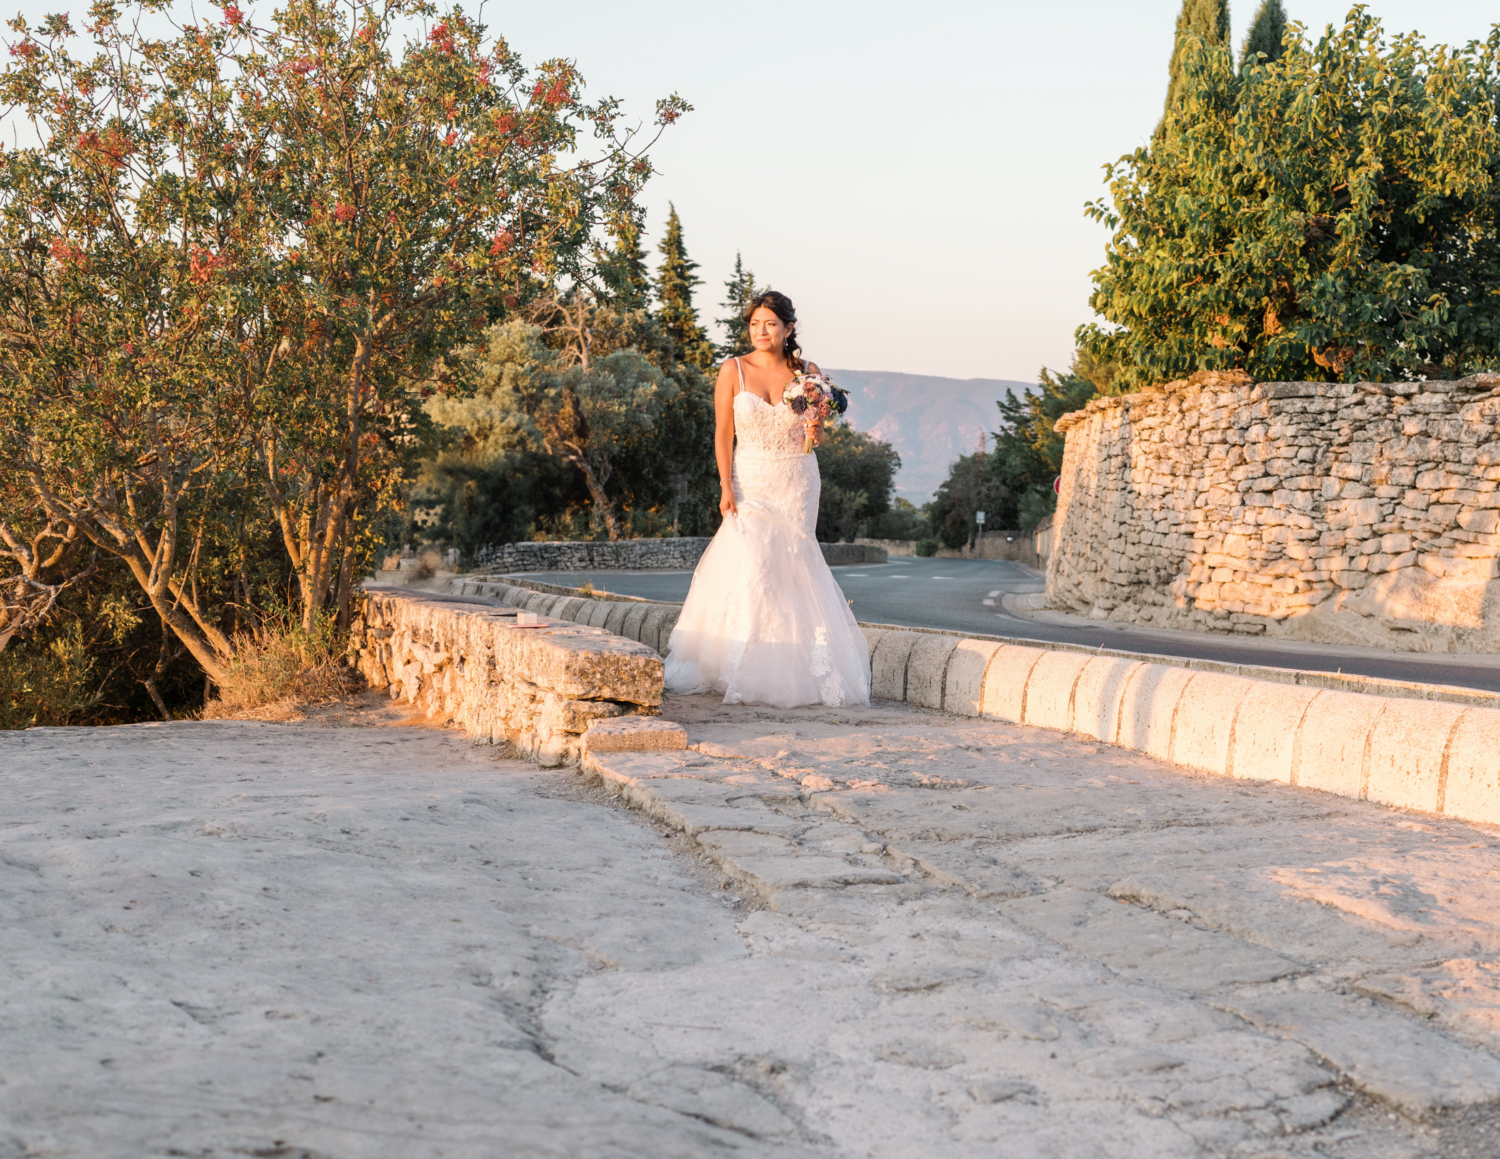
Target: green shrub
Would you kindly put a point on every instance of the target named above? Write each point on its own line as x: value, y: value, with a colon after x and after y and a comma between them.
x: 51, y: 687
x: 927, y: 547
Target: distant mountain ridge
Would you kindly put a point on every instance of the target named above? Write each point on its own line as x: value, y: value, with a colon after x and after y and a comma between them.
x: 930, y: 421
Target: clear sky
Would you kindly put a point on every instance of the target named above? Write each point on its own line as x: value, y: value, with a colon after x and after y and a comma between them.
x: 913, y: 175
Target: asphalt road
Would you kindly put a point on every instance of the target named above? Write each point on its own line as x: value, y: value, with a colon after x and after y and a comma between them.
x: 966, y: 596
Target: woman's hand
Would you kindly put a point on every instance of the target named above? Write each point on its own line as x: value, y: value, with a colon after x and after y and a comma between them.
x: 814, y: 427
x: 726, y: 500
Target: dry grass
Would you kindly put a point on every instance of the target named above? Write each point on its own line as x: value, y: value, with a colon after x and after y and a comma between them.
x: 281, y: 669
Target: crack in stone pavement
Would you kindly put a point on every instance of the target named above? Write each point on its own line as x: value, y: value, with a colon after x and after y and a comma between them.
x: 835, y: 932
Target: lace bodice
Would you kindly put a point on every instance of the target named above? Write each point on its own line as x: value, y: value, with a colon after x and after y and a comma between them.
x: 764, y: 430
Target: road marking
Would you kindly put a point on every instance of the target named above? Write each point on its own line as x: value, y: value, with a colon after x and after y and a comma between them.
x: 856, y: 575
x: 942, y: 577
x: 994, y: 593
x: 988, y: 603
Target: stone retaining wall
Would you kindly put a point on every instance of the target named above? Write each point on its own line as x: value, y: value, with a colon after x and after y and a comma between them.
x: 539, y: 688
x: 1362, y: 513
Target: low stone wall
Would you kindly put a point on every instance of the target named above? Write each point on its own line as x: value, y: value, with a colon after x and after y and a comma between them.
x: 539, y: 688
x: 681, y: 554
x: 1017, y: 546
x: 1412, y: 746
x: 1352, y: 512
x: 1437, y: 757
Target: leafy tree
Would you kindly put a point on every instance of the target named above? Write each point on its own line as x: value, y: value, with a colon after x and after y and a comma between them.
x: 1327, y: 215
x: 622, y: 272
x: 739, y: 291
x: 858, y: 474
x: 1205, y: 22
x: 583, y: 417
x: 675, y: 280
x: 1265, y: 34
x: 1012, y: 484
x: 231, y: 267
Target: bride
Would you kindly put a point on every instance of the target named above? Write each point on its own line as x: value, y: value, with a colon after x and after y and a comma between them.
x: 764, y: 622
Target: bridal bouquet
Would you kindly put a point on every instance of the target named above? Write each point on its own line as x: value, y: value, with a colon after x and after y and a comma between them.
x: 814, y: 397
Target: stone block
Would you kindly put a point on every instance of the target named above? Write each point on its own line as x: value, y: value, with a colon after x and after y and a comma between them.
x: 888, y: 664
x: 872, y: 636
x: 1203, y: 733
x: 651, y: 633
x: 1097, y: 694
x: 1333, y: 742
x: 926, y: 668
x: 598, y: 612
x: 614, y: 618
x: 1049, y: 689
x: 632, y: 734
x: 1148, y: 707
x: 1005, y: 682
x: 537, y: 602
x: 1471, y: 789
x: 1407, y: 745
x: 630, y: 627
x: 664, y: 633
x: 569, y: 608
x: 963, y: 684
x: 1265, y: 731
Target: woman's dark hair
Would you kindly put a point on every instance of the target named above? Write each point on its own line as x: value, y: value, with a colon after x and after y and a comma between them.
x: 780, y: 305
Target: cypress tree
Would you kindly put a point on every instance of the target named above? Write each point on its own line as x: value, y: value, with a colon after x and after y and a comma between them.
x: 1208, y: 21
x: 675, y: 280
x: 738, y: 291
x: 1265, y: 32
x: 623, y: 270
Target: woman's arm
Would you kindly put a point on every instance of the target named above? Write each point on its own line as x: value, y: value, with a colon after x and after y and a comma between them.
x: 724, y: 435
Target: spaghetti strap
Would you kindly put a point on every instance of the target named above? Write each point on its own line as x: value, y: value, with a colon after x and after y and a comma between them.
x: 741, y: 370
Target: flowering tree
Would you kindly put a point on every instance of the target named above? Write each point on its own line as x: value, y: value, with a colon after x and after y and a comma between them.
x: 235, y: 258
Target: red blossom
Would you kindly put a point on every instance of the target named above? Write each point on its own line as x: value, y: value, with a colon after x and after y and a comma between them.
x: 484, y: 72
x: 505, y: 123
x: 451, y: 137
x: 502, y: 242
x: 65, y: 252
x: 344, y: 212
x: 233, y: 17
x: 558, y: 94
x: 25, y: 50
x: 202, y: 264
x: 302, y: 67
x: 441, y: 37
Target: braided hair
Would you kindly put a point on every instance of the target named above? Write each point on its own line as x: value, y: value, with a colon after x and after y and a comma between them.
x: 780, y: 305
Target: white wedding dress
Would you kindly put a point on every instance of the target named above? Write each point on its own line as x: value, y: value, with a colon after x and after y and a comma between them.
x: 764, y: 622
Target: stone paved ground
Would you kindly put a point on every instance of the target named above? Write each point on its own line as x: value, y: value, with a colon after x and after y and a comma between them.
x: 878, y: 932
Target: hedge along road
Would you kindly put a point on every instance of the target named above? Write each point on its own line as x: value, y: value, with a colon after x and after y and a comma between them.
x: 966, y: 595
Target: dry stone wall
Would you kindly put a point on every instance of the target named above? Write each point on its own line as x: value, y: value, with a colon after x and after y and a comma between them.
x: 680, y: 554
x: 539, y: 688
x: 1362, y: 513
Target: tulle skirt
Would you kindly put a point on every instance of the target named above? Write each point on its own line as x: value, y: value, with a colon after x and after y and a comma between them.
x: 764, y: 621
